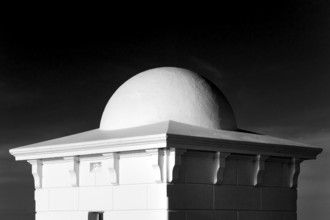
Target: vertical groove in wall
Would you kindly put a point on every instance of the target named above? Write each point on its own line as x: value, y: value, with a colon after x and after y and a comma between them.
x: 236, y: 172
x: 48, y: 206
x: 147, y: 189
x: 213, y: 188
x: 112, y: 201
x: 260, y: 194
x: 282, y: 176
x: 78, y: 197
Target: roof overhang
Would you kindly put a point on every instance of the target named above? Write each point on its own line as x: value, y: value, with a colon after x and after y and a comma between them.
x: 167, y: 134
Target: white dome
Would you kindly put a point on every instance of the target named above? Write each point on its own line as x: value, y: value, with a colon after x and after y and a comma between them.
x: 168, y: 93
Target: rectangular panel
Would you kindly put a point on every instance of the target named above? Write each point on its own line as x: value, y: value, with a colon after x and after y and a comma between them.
x: 136, y: 215
x: 245, y: 172
x: 279, y: 199
x: 290, y: 216
x: 130, y: 197
x: 257, y: 215
x: 87, y: 178
x: 157, y: 196
x: 237, y: 197
x: 211, y: 215
x: 230, y: 173
x: 56, y: 174
x: 190, y: 196
x: 42, y: 199
x: 62, y: 216
x: 95, y: 198
x: 63, y: 199
x: 136, y: 169
x: 200, y: 168
x: 273, y: 174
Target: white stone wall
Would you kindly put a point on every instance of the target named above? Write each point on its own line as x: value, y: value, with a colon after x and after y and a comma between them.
x: 132, y: 193
x: 173, y: 184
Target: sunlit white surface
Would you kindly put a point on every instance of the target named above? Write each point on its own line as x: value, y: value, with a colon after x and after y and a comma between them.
x: 168, y: 93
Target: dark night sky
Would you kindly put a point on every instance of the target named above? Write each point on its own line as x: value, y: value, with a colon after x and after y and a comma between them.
x: 272, y: 64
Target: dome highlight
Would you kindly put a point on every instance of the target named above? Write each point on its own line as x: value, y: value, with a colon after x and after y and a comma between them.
x: 168, y: 93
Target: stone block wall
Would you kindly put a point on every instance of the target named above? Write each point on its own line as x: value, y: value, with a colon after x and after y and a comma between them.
x: 164, y: 184
x: 252, y: 187
x: 116, y: 186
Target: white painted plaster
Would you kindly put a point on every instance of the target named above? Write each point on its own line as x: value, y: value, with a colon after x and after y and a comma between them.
x: 164, y: 169
x: 168, y: 93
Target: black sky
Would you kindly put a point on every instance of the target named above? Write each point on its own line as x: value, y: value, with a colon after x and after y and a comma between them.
x: 271, y: 62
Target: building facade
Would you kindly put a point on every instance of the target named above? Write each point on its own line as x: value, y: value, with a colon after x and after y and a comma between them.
x: 168, y: 147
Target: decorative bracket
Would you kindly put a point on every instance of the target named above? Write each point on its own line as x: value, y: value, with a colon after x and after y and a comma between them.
x: 294, y: 172
x: 157, y: 161
x: 73, y: 170
x: 37, y: 173
x: 259, y: 169
x: 174, y: 160
x: 112, y: 166
x: 220, y: 165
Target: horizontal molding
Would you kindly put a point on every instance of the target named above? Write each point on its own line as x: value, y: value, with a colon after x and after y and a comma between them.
x: 87, y: 148
x: 164, y: 141
x: 240, y: 147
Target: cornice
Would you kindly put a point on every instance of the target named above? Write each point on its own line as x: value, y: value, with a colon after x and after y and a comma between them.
x: 241, y: 147
x: 165, y: 135
x: 90, y: 148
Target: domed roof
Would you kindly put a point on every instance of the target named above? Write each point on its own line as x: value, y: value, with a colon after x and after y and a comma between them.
x: 164, y: 94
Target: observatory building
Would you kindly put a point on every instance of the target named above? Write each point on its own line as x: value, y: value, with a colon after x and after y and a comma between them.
x: 168, y: 148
